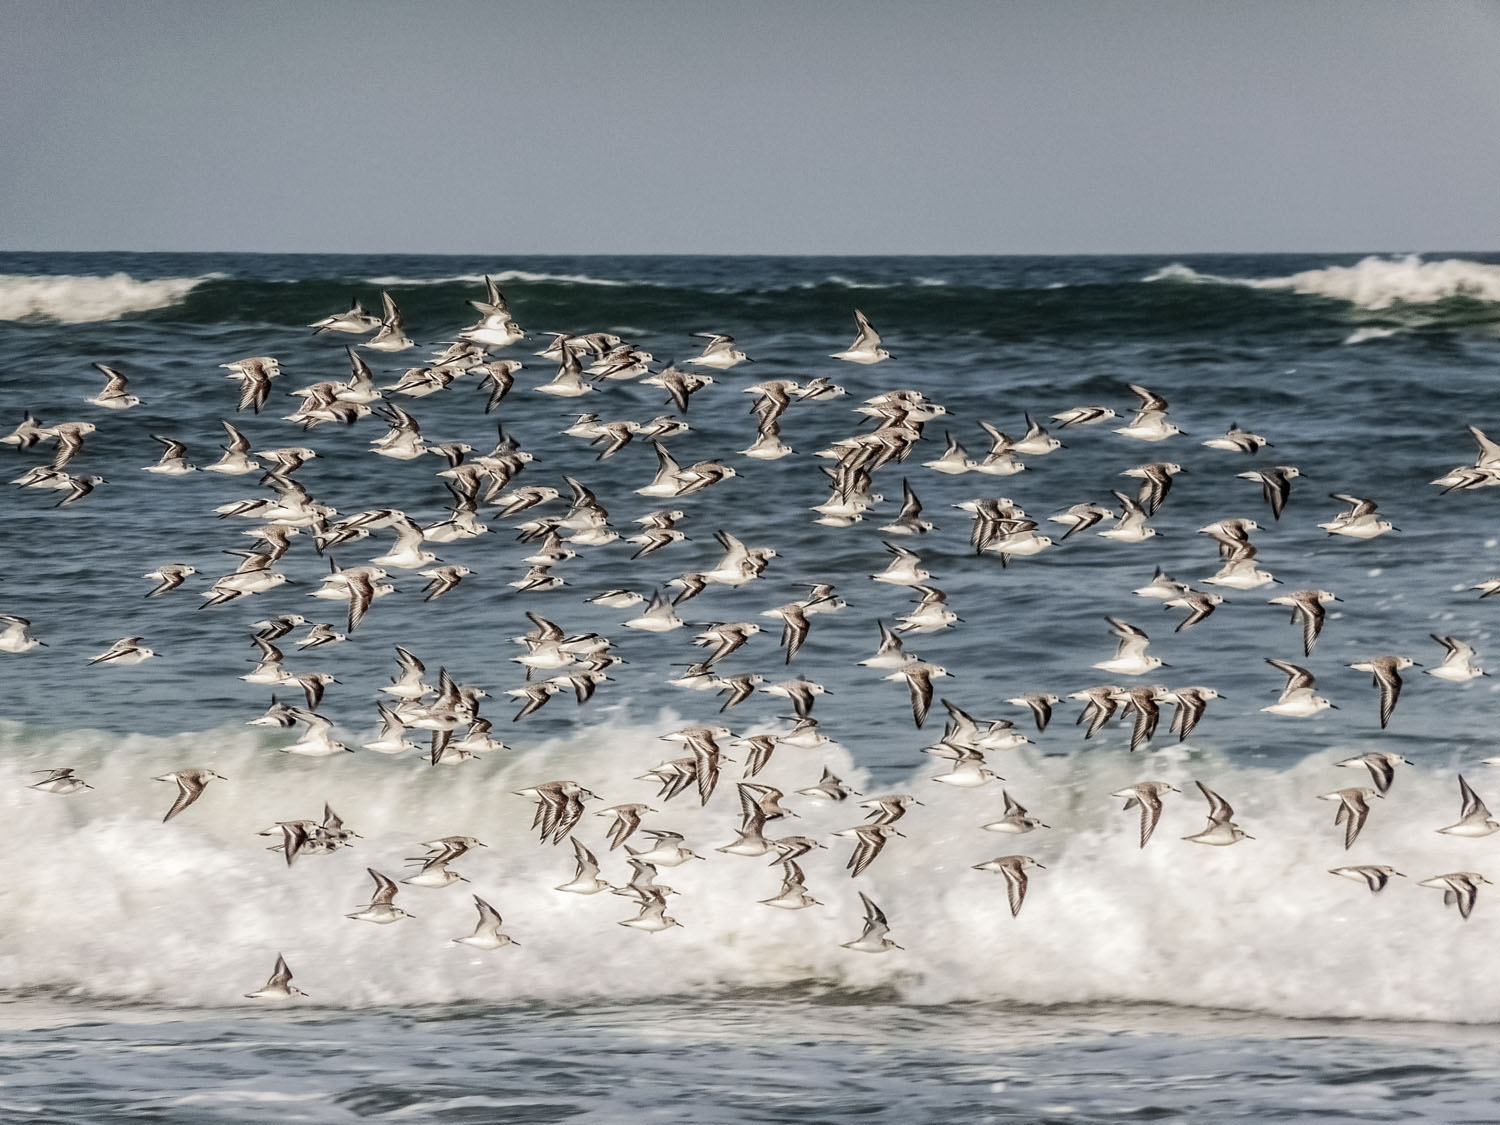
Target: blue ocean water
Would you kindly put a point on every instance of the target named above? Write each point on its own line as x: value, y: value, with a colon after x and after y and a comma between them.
x: 1136, y: 982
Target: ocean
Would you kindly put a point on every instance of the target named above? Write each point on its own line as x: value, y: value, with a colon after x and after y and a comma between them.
x: 1170, y: 981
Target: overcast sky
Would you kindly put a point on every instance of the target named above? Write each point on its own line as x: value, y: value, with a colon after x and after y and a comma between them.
x: 653, y: 126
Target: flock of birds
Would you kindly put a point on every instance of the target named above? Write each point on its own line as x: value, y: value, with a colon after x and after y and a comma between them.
x: 560, y: 519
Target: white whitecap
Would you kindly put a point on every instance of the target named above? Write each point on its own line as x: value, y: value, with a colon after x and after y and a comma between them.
x: 1371, y: 283
x: 193, y: 912
x: 71, y: 299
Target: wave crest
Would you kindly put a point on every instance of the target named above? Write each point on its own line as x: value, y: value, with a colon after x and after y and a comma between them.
x: 195, y: 911
x: 70, y: 299
x: 1371, y: 283
x: 501, y: 277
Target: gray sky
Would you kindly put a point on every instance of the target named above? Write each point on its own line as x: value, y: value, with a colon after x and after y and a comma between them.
x: 661, y: 126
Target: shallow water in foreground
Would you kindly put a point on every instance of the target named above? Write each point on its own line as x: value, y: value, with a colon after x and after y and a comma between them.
x: 810, y: 1058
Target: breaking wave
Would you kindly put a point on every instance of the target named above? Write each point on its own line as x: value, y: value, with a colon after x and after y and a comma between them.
x: 1372, y: 283
x: 78, y: 300
x: 113, y: 904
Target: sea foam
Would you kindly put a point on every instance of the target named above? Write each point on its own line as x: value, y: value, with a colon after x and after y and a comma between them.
x: 1371, y: 283
x: 108, y: 902
x: 68, y: 299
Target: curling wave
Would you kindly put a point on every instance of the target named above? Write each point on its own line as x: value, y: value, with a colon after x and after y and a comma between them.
x: 66, y: 299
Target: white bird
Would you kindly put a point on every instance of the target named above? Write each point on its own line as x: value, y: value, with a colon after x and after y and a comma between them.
x: 1460, y: 888
x: 1014, y: 868
x: 1146, y: 796
x: 1386, y: 671
x: 1308, y: 606
x: 127, y: 650
x: 1297, y: 699
x: 1458, y: 661
x: 190, y: 785
x: 1221, y: 830
x: 866, y: 346
x: 1130, y: 658
x: 487, y: 933
x: 1474, y: 818
x: 1015, y: 822
x: 382, y: 909
x: 1382, y: 767
x: 905, y: 568
x: 392, y: 334
x: 719, y: 353
x: 14, y: 637
x: 653, y: 917
x: 115, y: 395
x: 873, y: 939
x: 1373, y: 875
x: 1353, y: 811
x: 356, y: 322
x: 660, y: 616
x: 279, y: 986
x: 1150, y: 422
x: 1360, y: 521
x: 585, y: 879
x: 62, y: 781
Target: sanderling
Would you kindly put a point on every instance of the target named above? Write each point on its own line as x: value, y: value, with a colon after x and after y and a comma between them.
x: 1236, y: 440
x: 1382, y: 767
x: 15, y: 638
x: 866, y: 346
x: 1460, y: 888
x: 1275, y: 485
x: 1373, y: 875
x: 719, y: 353
x: 61, y: 780
x: 1458, y: 661
x: 1198, y: 604
x: 870, y: 841
x: 1386, y: 671
x: 1015, y: 821
x: 1297, y: 698
x: 1150, y: 422
x: 585, y: 879
x: 173, y: 461
x: 115, y: 395
x: 391, y: 336
x: 1359, y: 522
x: 169, y: 576
x: 190, y: 785
x: 382, y: 909
x: 1474, y: 817
x: 873, y: 939
x: 487, y: 933
x: 127, y: 650
x: 1221, y: 830
x: 1353, y: 811
x: 1131, y: 526
x: 1013, y: 867
x: 1130, y: 657
x: 279, y: 986
x: 356, y: 322
x: 1308, y: 606
x: 1146, y: 796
